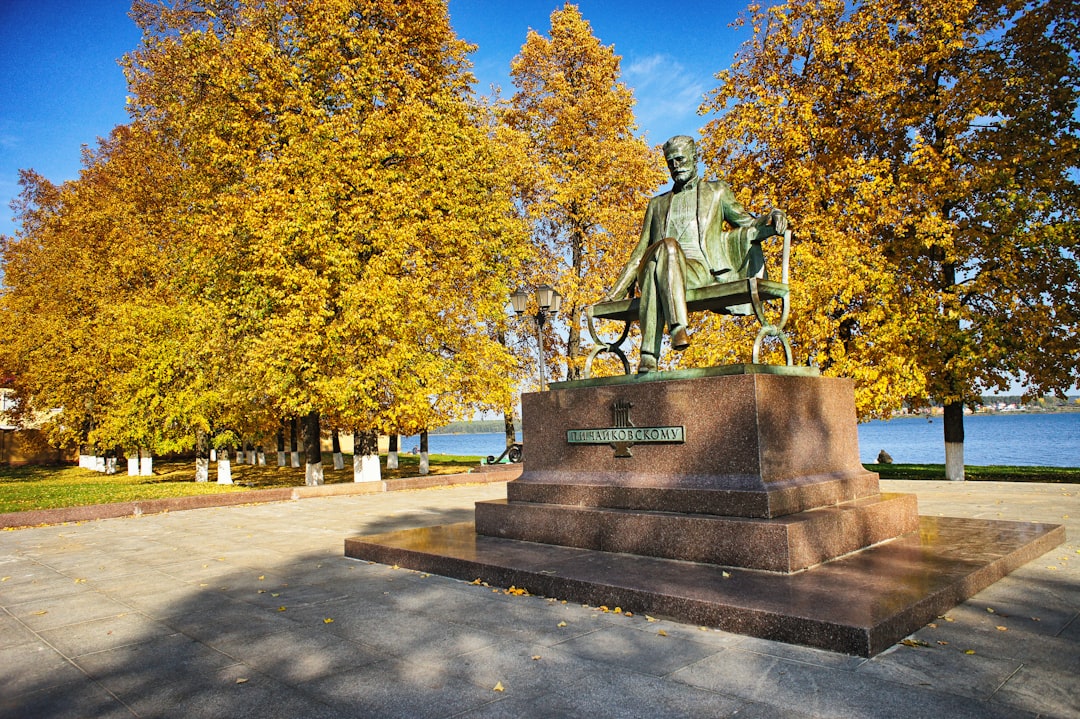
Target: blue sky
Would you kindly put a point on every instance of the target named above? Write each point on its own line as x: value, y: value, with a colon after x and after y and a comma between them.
x: 61, y: 87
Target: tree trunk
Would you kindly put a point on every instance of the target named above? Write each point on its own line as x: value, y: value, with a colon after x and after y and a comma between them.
x: 954, y: 441
x: 366, y: 457
x: 224, y: 467
x: 392, y: 452
x: 424, y: 466
x: 508, y: 429
x: 335, y: 441
x: 202, y: 457
x: 146, y: 463
x: 573, y: 345
x: 293, y: 432
x: 281, y: 461
x: 133, y: 464
x: 313, y: 469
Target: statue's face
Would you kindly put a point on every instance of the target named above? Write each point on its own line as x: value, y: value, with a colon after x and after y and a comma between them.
x: 682, y: 162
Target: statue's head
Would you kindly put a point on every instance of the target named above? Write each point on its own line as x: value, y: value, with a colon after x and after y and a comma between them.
x: 680, y: 154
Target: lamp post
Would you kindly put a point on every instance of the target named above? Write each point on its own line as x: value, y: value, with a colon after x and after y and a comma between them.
x: 548, y: 302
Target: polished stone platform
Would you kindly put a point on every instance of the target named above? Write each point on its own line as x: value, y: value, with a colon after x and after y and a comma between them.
x: 790, y: 543
x: 860, y: 604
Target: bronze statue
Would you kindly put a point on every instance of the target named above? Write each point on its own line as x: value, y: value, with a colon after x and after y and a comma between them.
x: 684, y: 245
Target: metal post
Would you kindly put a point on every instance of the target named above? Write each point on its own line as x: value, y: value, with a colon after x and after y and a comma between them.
x: 540, y: 316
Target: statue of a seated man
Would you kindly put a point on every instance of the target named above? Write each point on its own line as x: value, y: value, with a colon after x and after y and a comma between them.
x: 684, y: 245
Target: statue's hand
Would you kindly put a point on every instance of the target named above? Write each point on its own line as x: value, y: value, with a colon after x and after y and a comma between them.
x: 778, y: 221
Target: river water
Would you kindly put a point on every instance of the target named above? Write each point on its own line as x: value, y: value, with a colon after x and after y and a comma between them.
x: 1047, y: 439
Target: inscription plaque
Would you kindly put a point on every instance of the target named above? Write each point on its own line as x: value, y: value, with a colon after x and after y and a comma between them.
x: 624, y: 434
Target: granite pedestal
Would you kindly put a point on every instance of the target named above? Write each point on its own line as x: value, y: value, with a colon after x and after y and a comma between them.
x: 733, y: 498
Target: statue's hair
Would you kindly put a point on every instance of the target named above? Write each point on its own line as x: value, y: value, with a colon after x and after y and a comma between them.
x: 681, y: 140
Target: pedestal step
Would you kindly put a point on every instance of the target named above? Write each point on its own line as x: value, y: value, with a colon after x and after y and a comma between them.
x: 728, y: 496
x: 786, y: 544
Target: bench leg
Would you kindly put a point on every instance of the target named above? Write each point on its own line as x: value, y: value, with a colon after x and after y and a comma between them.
x: 767, y: 328
x: 602, y: 346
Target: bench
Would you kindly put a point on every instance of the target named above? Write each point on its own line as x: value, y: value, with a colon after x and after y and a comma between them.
x: 717, y: 297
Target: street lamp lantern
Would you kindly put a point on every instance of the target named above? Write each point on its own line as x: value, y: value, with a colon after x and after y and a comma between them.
x: 519, y: 300
x: 548, y: 302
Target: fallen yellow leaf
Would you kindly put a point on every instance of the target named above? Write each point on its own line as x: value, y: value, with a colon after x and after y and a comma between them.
x: 969, y: 651
x: 241, y: 680
x: 561, y: 624
x: 281, y: 609
x: 942, y: 643
x: 262, y: 577
x: 725, y: 575
x: 499, y: 687
x: 703, y: 629
x: 536, y: 657
x: 4, y: 579
x: 650, y: 619
x: 662, y: 633
x: 328, y: 620
x: 990, y: 610
x: 618, y: 610
x: 475, y: 581
x: 1003, y: 629
x: 41, y: 613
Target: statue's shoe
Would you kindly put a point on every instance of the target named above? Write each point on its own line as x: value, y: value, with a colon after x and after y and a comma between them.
x: 679, y: 339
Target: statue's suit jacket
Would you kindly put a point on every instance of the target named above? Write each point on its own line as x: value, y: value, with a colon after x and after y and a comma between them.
x: 738, y: 251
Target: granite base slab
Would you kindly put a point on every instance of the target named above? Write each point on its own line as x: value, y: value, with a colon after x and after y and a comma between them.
x: 790, y: 543
x: 860, y: 604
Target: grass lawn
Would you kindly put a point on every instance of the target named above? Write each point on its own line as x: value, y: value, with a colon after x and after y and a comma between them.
x: 28, y: 488
x: 993, y: 473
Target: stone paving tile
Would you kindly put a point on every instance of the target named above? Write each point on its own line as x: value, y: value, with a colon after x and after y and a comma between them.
x: 123, y: 670
x: 299, y: 656
x: 399, y: 690
x: 73, y: 700
x: 33, y: 666
x: 828, y: 693
x: 616, y: 694
x: 922, y: 666
x: 37, y: 583
x: 13, y: 632
x: 633, y: 650
x: 1050, y: 691
x: 53, y: 612
x: 98, y: 635
x: 792, y: 652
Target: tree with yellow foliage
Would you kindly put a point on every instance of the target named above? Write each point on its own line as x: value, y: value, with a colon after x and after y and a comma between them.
x: 590, y: 174
x: 927, y: 154
x: 353, y: 217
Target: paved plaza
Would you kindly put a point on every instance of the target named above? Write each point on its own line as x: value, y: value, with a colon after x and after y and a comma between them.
x: 252, y: 611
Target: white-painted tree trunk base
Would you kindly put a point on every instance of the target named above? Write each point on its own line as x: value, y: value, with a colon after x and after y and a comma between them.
x: 133, y: 466
x: 213, y: 455
x: 313, y: 474
x: 146, y: 465
x: 86, y: 461
x: 392, y: 460
x: 251, y: 457
x: 260, y: 458
x: 202, y: 469
x: 110, y: 465
x: 296, y: 460
x: 281, y: 461
x: 339, y: 460
x: 954, y: 461
x: 240, y: 457
x: 424, y: 463
x: 366, y: 468
x: 224, y: 471
x: 99, y: 464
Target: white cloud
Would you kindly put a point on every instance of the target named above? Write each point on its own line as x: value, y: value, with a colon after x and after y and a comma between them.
x: 668, y: 96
